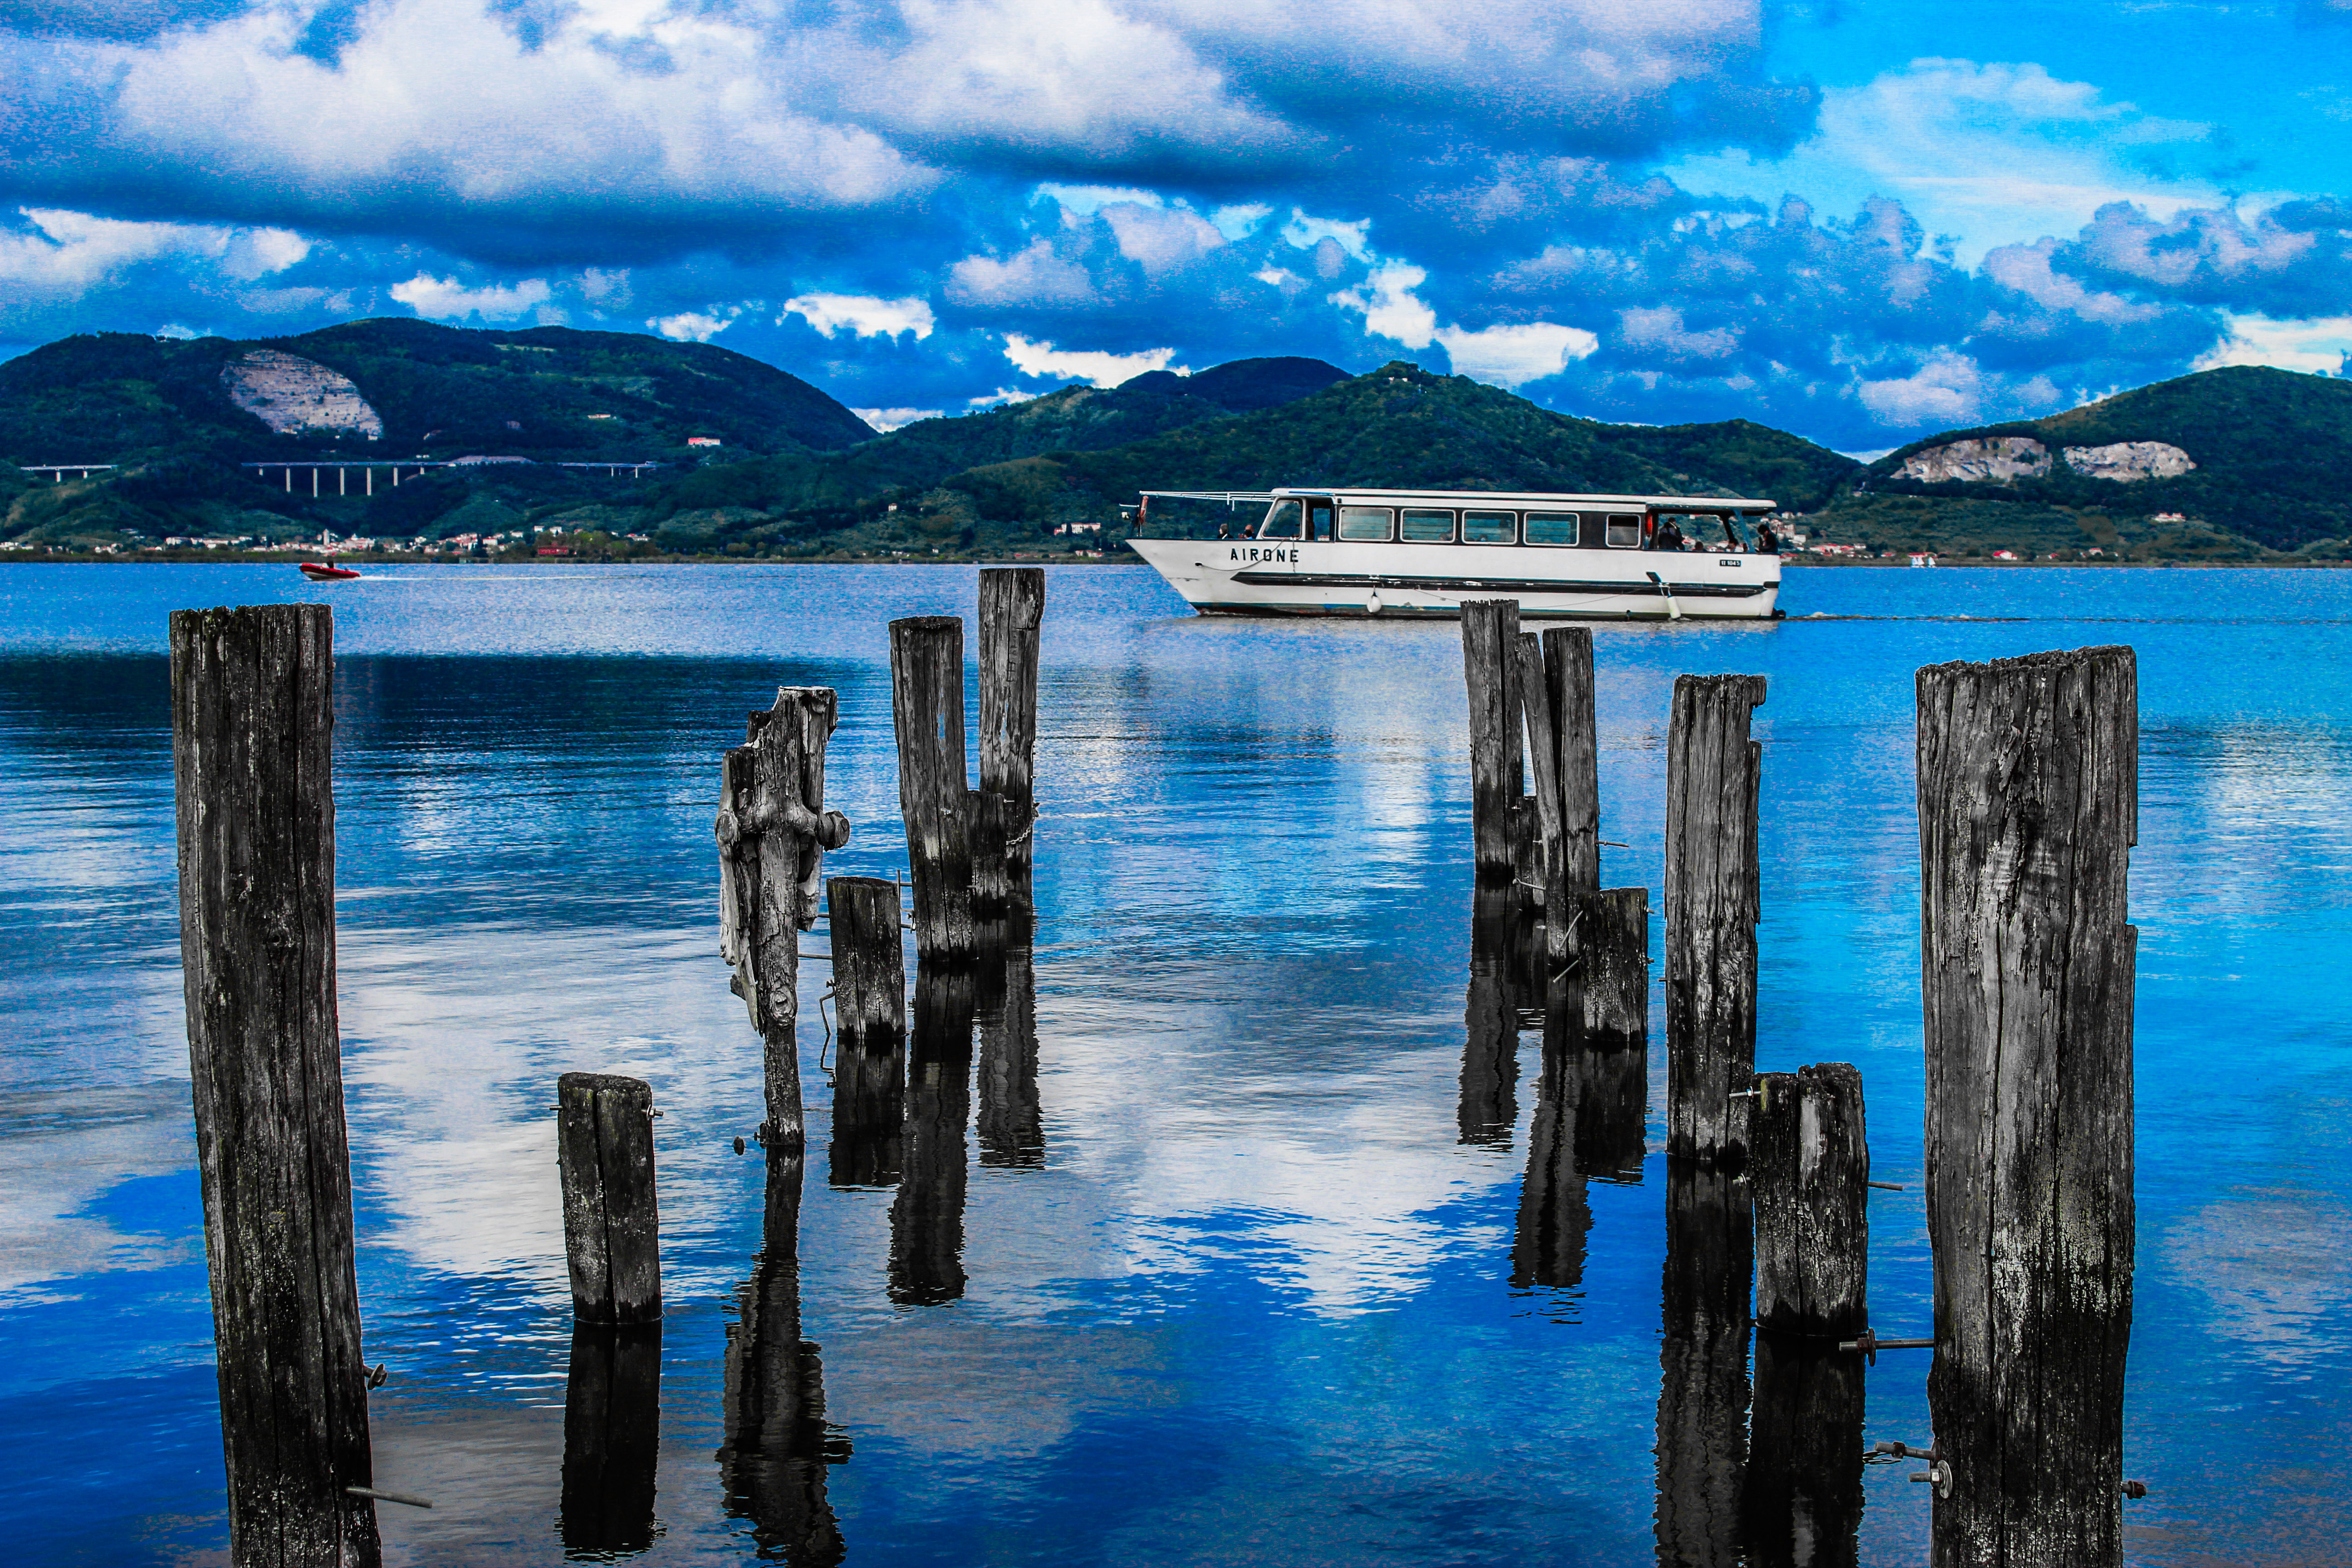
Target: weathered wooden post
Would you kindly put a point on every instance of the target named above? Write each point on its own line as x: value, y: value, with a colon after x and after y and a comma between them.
x: 772, y: 1464
x: 611, y: 1222
x: 1809, y: 1168
x: 1801, y: 1497
x: 1490, y: 1017
x: 1703, y: 1363
x: 927, y: 702
x: 1490, y: 635
x: 869, y: 997
x: 1011, y: 1121
x: 773, y: 831
x: 612, y: 1439
x: 1613, y: 970
x: 253, y: 753
x: 1011, y: 614
x: 1712, y: 769
x: 2028, y: 811
x: 1602, y: 1010
x: 1544, y: 820
x: 1567, y: 688
x: 927, y: 1213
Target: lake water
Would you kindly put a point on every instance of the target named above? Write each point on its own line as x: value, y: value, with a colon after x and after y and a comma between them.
x: 1244, y: 1294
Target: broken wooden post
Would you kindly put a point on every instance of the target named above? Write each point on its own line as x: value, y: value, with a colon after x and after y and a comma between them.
x: 1809, y: 1168
x: 1011, y: 614
x: 926, y: 1215
x: 772, y: 1464
x: 1490, y: 633
x: 252, y: 753
x: 927, y: 704
x: 1603, y: 1008
x: 869, y: 1000
x: 1531, y: 682
x: 1011, y: 1122
x: 1612, y: 969
x: 2028, y: 773
x: 611, y: 1222
x: 1712, y: 768
x: 773, y: 831
x: 1703, y: 1363
x: 1568, y: 702
x: 1800, y: 1500
x: 612, y: 1439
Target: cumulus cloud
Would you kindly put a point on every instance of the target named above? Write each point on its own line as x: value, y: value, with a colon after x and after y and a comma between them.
x: 1035, y: 275
x: 1512, y: 355
x: 863, y: 315
x: 1389, y: 307
x: 1093, y: 366
x: 2320, y: 347
x: 888, y: 419
x: 57, y: 251
x: 692, y: 326
x: 447, y: 299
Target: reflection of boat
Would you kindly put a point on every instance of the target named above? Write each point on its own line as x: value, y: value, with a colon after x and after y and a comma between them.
x: 320, y: 572
x: 1422, y: 552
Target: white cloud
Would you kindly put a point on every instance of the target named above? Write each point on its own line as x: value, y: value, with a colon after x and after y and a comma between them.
x: 1099, y: 368
x: 862, y: 314
x: 2317, y: 346
x: 888, y: 419
x: 1081, y: 201
x: 1032, y: 275
x: 1660, y: 331
x: 1305, y: 233
x: 1948, y: 390
x: 65, y: 252
x: 1235, y: 221
x: 446, y: 299
x: 1160, y: 239
x: 1389, y: 311
x: 699, y: 326
x: 1512, y: 355
x: 999, y: 398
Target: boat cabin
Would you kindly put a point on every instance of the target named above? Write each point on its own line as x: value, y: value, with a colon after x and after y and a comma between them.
x: 1551, y: 521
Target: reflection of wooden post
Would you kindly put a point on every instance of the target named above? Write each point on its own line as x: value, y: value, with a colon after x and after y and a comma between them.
x: 926, y: 1216
x: 1490, y: 1044
x: 773, y: 831
x: 2027, y: 809
x: 252, y: 754
x: 1012, y: 1123
x: 1490, y: 633
x: 1711, y: 909
x: 869, y: 976
x: 612, y: 1439
x: 1809, y: 1168
x: 1011, y: 614
x: 1703, y: 1359
x: 1802, y: 1500
x: 1600, y: 1019
x: 1554, y: 1216
x: 927, y: 701
x: 773, y: 1462
x: 612, y: 1225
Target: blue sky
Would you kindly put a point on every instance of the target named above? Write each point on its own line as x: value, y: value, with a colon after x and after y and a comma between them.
x: 1855, y: 219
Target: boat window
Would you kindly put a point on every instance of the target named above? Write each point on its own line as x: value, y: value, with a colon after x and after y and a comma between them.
x: 1489, y: 527
x: 1318, y: 519
x: 1365, y: 521
x: 1424, y: 525
x: 1281, y: 521
x: 1551, y: 527
x: 1624, y: 532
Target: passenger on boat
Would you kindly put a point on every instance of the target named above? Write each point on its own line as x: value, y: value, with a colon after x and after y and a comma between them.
x: 1767, y: 541
x: 1668, y: 536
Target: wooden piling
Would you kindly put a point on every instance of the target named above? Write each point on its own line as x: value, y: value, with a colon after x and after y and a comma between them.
x: 2027, y: 771
x: 1810, y: 1172
x: 869, y: 999
x: 252, y: 752
x: 772, y: 1463
x: 1703, y: 1363
x: 1530, y: 681
x: 927, y: 702
x: 1712, y: 769
x: 1490, y: 634
x: 1569, y: 694
x: 773, y: 830
x: 1612, y: 969
x: 1011, y: 615
x: 926, y: 1215
x: 611, y: 1222
x: 612, y: 1439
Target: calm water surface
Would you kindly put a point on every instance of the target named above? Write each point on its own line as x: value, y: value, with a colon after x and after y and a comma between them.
x: 1243, y: 1293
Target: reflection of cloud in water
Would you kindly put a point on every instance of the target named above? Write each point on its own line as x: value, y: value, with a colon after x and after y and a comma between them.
x: 2273, y: 1267
x: 60, y: 1151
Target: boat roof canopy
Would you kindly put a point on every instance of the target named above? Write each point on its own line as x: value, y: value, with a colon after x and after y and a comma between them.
x: 1517, y: 499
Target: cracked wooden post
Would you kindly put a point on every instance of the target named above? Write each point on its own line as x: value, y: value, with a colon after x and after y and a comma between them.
x: 611, y: 1224
x: 2027, y: 772
x: 1490, y: 632
x: 1608, y: 1005
x: 1809, y: 1168
x: 1011, y: 614
x: 773, y: 831
x: 926, y: 704
x: 253, y: 753
x: 1712, y: 769
x: 1546, y: 826
x: 869, y: 1001
x: 1568, y: 702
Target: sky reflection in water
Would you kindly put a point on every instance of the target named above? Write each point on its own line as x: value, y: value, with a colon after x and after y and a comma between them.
x: 1256, y: 1301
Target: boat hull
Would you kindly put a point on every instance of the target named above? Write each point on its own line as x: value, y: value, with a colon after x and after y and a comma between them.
x: 1252, y: 577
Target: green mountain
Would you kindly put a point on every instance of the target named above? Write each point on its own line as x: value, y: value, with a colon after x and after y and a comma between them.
x: 2234, y: 463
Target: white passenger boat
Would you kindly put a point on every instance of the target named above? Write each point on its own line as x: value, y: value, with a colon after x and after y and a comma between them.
x: 1320, y: 552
